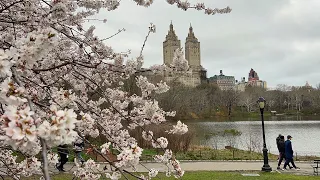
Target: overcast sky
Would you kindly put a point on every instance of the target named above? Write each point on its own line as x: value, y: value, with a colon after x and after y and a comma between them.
x: 280, y: 39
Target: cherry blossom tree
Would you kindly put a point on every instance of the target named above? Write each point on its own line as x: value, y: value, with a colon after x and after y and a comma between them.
x: 49, y: 64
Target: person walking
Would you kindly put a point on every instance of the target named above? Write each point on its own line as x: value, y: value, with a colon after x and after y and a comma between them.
x: 78, y: 147
x: 63, y: 153
x: 281, y: 148
x: 277, y: 143
x: 278, y: 139
x: 289, y: 153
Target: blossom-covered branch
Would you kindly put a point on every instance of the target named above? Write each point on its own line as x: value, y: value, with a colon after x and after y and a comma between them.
x: 185, y: 5
x: 50, y: 69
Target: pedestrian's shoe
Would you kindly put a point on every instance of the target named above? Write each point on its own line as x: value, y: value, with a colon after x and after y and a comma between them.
x: 278, y: 168
x: 60, y: 169
x: 284, y: 169
x: 57, y: 166
x: 297, y: 168
x: 290, y: 167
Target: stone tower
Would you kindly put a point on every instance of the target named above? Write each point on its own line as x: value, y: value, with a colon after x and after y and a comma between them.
x: 170, y: 45
x: 192, y: 50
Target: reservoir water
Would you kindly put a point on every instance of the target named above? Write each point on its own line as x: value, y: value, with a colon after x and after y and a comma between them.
x: 305, y: 133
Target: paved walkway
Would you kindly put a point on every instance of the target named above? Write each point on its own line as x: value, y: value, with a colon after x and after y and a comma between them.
x: 306, y: 169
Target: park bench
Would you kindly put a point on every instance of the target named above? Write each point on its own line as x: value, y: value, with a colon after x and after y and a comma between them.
x: 315, y: 167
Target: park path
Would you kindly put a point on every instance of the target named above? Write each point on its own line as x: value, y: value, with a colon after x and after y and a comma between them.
x: 306, y: 168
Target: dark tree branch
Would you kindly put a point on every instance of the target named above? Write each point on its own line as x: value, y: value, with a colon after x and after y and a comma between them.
x: 10, y: 6
x: 119, y: 31
x: 51, y: 68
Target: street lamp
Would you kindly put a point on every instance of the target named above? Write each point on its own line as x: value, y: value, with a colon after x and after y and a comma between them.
x: 261, y: 101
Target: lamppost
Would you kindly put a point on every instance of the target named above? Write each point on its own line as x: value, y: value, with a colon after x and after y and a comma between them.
x: 265, y: 166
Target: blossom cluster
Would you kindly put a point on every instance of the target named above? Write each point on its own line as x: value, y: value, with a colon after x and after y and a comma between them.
x: 88, y: 171
x: 11, y: 93
x: 180, y: 128
x: 86, y: 125
x: 34, y: 46
x: 129, y: 156
x: 179, y: 63
x: 27, y: 167
x: 165, y: 158
x: 63, y: 98
x: 185, y: 5
x: 168, y: 159
x: 19, y: 130
x: 114, y: 176
x: 60, y: 129
x: 148, y: 136
x: 6, y: 157
x: 53, y: 159
x: 161, y: 142
x: 105, y: 147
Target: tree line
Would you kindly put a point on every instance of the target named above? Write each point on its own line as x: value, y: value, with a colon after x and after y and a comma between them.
x: 207, y: 100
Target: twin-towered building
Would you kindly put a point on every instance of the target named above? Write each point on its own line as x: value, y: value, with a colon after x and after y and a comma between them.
x: 192, y: 54
x: 199, y: 74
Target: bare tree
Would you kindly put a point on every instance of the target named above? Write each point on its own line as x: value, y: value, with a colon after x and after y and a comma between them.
x: 246, y: 99
x: 228, y: 99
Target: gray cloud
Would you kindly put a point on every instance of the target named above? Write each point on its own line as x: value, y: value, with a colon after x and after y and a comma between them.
x: 279, y: 39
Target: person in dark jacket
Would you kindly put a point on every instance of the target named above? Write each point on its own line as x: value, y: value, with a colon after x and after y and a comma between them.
x: 289, y: 153
x: 277, y: 140
x: 63, y: 153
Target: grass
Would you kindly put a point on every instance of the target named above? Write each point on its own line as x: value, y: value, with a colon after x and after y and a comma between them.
x: 212, y: 154
x: 196, y: 153
x: 211, y: 175
x: 206, y: 153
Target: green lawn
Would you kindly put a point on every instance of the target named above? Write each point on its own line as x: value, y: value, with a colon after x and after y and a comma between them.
x: 197, y: 153
x: 210, y: 175
x: 210, y: 154
x: 204, y: 153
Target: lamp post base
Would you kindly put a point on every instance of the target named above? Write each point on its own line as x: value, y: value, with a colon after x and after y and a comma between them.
x: 266, y: 168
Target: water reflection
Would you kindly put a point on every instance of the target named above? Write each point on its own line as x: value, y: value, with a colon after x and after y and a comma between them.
x: 305, y: 134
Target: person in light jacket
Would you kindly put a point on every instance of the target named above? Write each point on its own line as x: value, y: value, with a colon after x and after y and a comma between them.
x: 78, y: 147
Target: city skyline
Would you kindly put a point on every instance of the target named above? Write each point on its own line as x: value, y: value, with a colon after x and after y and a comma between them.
x: 278, y: 39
